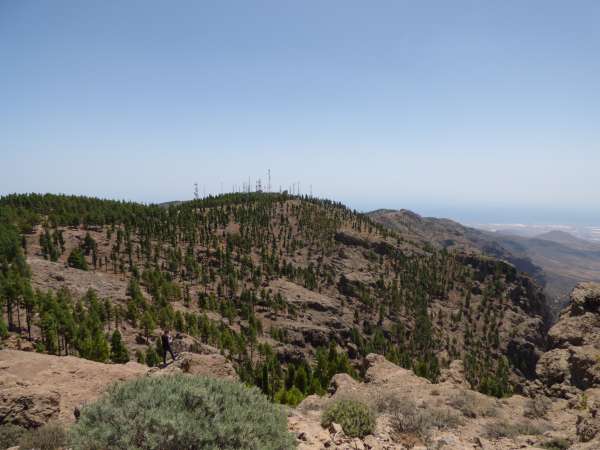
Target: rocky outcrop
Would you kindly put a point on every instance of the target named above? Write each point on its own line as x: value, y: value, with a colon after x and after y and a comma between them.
x: 573, y: 362
x: 588, y: 421
x: 28, y: 406
x: 37, y: 388
x: 413, y: 413
x: 209, y: 365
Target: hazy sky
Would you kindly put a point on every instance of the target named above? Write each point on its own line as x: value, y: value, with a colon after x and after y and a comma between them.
x: 477, y: 110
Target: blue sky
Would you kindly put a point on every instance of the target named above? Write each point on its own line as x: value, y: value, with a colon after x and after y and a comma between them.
x: 484, y: 111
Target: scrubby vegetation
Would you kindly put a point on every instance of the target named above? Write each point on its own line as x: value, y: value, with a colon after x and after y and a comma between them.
x: 182, y: 412
x: 356, y: 418
x: 472, y: 405
x: 500, y: 428
x: 9, y: 435
x: 407, y: 417
x: 557, y: 444
x: 537, y: 407
x: 51, y: 436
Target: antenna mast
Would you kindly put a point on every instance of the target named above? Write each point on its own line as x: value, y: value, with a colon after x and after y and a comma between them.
x: 196, y: 195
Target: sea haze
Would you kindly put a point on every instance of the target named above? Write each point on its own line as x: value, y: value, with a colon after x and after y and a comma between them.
x: 589, y: 233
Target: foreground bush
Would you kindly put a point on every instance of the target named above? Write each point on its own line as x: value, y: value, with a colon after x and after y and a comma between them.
x: 182, y: 412
x: 49, y: 437
x: 356, y: 418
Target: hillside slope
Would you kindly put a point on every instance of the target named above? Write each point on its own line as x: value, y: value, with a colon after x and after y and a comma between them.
x: 557, y: 260
x: 455, y: 236
x: 285, y: 287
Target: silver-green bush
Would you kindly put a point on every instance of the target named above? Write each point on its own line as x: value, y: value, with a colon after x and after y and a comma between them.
x: 182, y: 412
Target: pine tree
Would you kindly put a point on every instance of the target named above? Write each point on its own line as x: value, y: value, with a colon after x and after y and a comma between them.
x: 3, y: 329
x: 118, y: 352
x: 148, y: 324
x: 77, y: 259
x: 301, y: 380
x: 152, y: 358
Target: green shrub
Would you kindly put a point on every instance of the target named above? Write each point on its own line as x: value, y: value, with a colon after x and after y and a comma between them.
x: 10, y: 435
x: 3, y: 329
x: 291, y: 397
x: 182, y: 412
x: 118, y: 351
x: 49, y: 437
x: 556, y: 444
x: 152, y: 358
x: 140, y: 357
x: 77, y: 259
x: 356, y: 418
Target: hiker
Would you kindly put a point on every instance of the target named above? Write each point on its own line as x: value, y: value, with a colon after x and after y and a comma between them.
x: 166, y: 340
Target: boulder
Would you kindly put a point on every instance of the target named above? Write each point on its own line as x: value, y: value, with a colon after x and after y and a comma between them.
x: 36, y: 388
x: 573, y: 360
x: 588, y: 423
x: 454, y: 374
x: 575, y: 330
x: 381, y: 371
x: 342, y: 382
x: 553, y: 367
x: 585, y: 368
x: 213, y: 365
x: 586, y: 298
x: 28, y: 406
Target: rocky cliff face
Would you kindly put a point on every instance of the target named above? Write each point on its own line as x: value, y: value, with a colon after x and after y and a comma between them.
x: 572, y: 364
x: 557, y: 261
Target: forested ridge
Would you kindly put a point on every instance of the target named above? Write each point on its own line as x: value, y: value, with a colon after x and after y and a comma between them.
x: 291, y: 289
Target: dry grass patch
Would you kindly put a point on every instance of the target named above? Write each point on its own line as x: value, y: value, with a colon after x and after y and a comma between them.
x: 537, y: 407
x: 51, y: 436
x: 500, y: 429
x: 408, y: 418
x: 474, y: 405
